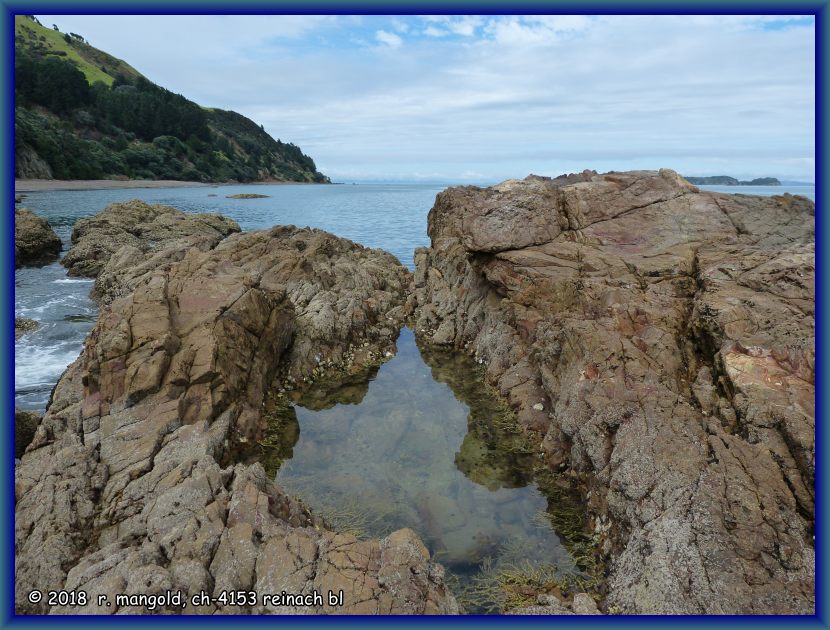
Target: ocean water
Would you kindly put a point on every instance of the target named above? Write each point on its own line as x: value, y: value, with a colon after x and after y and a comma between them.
x: 764, y: 191
x: 391, y: 216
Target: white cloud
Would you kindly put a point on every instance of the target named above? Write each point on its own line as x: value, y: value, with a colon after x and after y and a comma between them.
x: 431, y: 31
x: 504, y: 96
x: 466, y: 25
x: 400, y: 26
x: 389, y: 39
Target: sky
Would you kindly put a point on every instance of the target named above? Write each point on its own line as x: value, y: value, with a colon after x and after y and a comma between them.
x: 486, y: 98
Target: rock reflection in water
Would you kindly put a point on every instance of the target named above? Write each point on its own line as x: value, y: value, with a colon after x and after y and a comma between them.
x: 421, y: 445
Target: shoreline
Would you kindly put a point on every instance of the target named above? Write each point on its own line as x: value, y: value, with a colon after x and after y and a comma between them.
x: 48, y: 185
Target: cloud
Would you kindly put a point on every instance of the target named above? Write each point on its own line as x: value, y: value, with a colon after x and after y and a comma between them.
x: 497, y: 96
x: 431, y: 31
x: 389, y: 39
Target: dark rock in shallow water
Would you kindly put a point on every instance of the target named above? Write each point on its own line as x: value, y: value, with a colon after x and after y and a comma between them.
x: 663, y: 341
x: 35, y: 242
x: 246, y: 196
x: 25, y: 425
x: 121, y: 488
x: 23, y: 326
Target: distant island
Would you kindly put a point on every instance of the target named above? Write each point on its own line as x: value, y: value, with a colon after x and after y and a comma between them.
x: 82, y: 114
x: 725, y: 180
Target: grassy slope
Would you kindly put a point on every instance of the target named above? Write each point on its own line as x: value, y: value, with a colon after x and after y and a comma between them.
x: 88, y: 59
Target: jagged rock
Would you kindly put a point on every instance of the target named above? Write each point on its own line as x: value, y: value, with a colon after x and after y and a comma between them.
x: 668, y: 335
x: 135, y: 230
x: 35, y: 242
x: 122, y: 490
x: 23, y: 326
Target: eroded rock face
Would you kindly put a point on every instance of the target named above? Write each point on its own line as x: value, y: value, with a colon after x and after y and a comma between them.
x: 662, y: 340
x: 35, y: 242
x: 121, y: 492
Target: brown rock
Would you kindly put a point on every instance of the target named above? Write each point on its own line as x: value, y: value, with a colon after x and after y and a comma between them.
x: 670, y: 333
x: 145, y: 229
x: 122, y: 490
x: 35, y: 242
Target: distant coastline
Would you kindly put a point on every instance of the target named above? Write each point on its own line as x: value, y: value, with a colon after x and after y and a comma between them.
x: 726, y: 180
x: 40, y: 185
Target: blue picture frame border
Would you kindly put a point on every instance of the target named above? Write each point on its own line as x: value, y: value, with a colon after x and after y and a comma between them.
x: 8, y: 9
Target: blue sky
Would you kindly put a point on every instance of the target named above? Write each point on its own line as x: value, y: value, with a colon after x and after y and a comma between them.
x: 484, y: 98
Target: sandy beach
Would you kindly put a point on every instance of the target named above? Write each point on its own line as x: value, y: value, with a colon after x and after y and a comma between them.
x: 37, y: 185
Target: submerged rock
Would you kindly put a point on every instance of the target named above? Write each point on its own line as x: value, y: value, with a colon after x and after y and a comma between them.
x: 23, y: 326
x: 662, y: 340
x: 35, y: 242
x: 121, y: 490
x: 247, y: 196
x: 582, y: 604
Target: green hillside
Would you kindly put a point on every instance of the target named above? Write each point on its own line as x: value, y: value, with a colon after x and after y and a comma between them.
x: 32, y: 37
x: 81, y: 113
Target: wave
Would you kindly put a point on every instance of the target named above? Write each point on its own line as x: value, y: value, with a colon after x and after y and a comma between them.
x: 73, y: 281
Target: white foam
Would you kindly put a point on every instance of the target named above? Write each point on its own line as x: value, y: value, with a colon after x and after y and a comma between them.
x: 50, y: 305
x: 40, y: 366
x: 74, y: 281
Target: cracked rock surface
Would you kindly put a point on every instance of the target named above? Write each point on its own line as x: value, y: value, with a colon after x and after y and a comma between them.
x: 126, y: 240
x: 661, y: 341
x: 121, y: 490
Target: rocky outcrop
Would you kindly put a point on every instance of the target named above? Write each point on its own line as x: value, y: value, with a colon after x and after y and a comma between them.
x: 35, y: 242
x: 662, y: 340
x: 122, y: 243
x: 247, y: 196
x: 122, y: 491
